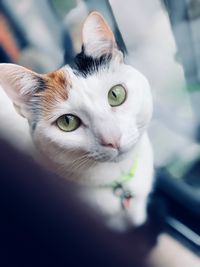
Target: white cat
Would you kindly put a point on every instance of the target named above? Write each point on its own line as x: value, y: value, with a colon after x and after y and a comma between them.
x: 88, y: 123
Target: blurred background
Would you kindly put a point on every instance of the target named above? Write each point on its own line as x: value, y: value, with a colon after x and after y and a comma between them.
x: 161, y: 38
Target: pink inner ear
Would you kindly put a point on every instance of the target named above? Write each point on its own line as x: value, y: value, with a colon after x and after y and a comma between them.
x: 95, y: 25
x: 97, y: 35
x: 18, y: 83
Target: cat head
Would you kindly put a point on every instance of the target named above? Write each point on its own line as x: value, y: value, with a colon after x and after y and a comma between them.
x: 94, y: 111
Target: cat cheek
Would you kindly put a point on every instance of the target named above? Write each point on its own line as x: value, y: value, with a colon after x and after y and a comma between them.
x: 143, y: 119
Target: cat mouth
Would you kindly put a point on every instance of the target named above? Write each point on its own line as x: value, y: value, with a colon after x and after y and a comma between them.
x: 111, y: 155
x: 119, y: 155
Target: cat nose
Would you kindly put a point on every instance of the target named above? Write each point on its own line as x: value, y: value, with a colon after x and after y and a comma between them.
x: 112, y: 143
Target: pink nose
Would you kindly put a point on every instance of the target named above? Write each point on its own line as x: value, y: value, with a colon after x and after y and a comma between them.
x: 111, y: 143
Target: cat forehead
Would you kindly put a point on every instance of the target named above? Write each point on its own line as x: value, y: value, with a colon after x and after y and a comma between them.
x: 89, y: 94
x: 66, y: 89
x: 105, y: 78
x: 58, y: 83
x: 62, y: 85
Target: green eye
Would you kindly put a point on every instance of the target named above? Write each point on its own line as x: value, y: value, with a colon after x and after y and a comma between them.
x: 68, y: 123
x: 116, y: 95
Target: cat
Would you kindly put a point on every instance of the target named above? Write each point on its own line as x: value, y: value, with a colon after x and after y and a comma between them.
x: 88, y: 123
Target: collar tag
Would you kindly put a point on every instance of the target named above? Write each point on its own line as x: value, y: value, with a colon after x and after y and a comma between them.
x: 124, y: 195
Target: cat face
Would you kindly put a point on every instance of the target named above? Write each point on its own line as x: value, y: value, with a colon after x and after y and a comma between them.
x: 94, y: 111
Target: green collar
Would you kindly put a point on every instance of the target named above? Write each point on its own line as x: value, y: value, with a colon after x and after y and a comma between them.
x: 120, y: 191
x: 125, y: 178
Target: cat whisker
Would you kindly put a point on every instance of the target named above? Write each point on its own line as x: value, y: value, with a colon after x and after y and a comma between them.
x: 81, y: 161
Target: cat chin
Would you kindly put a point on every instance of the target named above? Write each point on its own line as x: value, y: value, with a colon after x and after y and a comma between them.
x: 120, y: 157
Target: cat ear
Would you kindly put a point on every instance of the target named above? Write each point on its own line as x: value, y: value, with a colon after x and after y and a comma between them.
x: 19, y: 84
x: 98, y: 38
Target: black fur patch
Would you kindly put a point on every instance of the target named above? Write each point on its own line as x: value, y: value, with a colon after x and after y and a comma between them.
x: 41, y: 84
x: 36, y: 112
x: 33, y: 126
x: 34, y: 104
x: 85, y: 65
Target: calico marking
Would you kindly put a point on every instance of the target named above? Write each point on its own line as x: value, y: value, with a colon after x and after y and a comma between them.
x: 55, y: 88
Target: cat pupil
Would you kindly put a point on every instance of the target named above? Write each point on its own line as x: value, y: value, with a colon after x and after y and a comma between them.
x: 67, y: 119
x: 113, y: 93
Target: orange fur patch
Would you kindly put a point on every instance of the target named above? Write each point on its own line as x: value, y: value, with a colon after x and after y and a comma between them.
x: 57, y: 85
